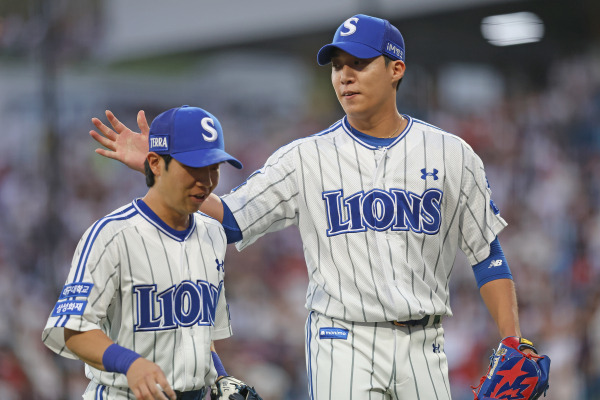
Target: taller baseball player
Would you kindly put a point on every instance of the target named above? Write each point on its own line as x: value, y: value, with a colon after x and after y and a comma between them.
x: 383, y: 202
x: 144, y: 298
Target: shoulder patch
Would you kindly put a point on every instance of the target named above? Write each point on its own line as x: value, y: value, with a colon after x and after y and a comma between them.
x: 70, y: 307
x: 76, y: 290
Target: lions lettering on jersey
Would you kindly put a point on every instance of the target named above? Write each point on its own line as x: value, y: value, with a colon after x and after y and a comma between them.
x: 381, y: 210
x: 185, y: 305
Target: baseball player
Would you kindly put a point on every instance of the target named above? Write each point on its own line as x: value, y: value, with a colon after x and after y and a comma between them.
x: 144, y: 298
x: 383, y: 202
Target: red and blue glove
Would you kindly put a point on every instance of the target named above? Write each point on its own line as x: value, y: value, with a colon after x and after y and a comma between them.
x: 513, y: 374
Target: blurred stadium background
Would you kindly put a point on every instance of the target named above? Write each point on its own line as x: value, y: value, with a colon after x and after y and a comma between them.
x: 531, y: 110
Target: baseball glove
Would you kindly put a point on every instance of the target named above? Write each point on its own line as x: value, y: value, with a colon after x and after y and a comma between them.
x: 514, y: 375
x: 230, y: 388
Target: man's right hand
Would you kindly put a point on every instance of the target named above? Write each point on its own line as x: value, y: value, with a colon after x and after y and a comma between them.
x: 123, y: 144
x: 148, y: 381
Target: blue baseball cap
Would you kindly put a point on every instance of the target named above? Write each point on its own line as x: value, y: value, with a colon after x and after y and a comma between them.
x: 365, y: 37
x: 191, y: 135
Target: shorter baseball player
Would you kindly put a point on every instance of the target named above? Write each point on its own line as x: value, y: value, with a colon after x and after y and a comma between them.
x: 144, y: 299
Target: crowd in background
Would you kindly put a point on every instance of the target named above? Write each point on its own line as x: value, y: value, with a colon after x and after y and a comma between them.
x: 541, y: 149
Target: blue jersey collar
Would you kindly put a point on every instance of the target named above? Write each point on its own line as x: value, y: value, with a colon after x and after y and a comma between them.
x: 151, y: 217
x: 372, y: 141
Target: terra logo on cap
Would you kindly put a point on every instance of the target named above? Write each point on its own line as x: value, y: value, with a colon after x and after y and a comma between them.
x: 364, y: 36
x: 191, y: 135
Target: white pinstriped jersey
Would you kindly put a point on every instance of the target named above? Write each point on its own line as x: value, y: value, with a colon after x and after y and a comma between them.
x: 380, y: 225
x: 151, y: 289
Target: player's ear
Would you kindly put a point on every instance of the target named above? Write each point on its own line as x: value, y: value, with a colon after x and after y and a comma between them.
x: 154, y: 162
x: 397, y: 69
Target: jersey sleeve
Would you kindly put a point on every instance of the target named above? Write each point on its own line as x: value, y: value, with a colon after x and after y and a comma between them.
x: 222, y: 328
x: 88, y: 292
x: 268, y: 200
x: 480, y: 220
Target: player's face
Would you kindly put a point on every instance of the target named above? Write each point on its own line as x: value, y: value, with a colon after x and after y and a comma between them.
x: 364, y: 87
x: 184, y: 188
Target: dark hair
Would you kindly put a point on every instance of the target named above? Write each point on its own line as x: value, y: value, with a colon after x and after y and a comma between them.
x: 150, y: 174
x: 387, y: 62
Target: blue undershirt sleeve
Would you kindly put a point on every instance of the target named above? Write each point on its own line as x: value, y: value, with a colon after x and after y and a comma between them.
x: 232, y: 229
x: 492, y: 268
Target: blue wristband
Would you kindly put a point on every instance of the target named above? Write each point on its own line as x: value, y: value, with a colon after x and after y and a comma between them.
x: 118, y: 359
x: 218, y: 365
x: 492, y: 268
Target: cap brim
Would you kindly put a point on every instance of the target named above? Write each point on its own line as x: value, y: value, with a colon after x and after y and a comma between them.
x: 358, y: 50
x: 203, y: 158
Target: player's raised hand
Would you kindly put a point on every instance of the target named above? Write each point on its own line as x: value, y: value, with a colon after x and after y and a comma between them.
x: 121, y: 143
x: 148, y: 381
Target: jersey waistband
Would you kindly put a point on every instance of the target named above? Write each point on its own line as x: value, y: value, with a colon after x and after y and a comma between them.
x: 427, y: 320
x: 191, y: 395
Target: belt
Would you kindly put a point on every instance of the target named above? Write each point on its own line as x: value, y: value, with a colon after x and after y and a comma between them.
x: 191, y: 395
x: 425, y: 321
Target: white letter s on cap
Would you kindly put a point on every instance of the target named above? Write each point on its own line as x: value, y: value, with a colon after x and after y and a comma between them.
x: 209, y: 126
x: 348, y: 25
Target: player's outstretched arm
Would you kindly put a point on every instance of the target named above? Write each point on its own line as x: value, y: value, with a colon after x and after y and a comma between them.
x: 121, y: 143
x: 515, y: 355
x: 500, y: 299
x: 145, y: 378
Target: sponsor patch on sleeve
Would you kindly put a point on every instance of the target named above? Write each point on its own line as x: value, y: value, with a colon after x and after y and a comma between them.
x: 333, y: 333
x: 69, y: 307
x: 76, y: 290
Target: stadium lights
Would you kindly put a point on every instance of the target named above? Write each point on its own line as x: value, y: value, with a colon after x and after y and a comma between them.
x: 512, y: 29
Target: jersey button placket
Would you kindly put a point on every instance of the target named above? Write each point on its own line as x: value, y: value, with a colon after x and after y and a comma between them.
x: 383, y: 245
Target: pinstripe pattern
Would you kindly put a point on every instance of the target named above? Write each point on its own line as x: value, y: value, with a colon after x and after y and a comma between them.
x: 130, y: 249
x: 339, y: 286
x: 308, y: 351
x: 123, y: 213
x: 372, y: 275
x: 149, y: 263
x: 377, y: 248
x: 373, y: 341
x: 376, y: 361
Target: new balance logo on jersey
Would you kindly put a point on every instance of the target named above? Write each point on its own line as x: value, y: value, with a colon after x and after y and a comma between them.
x: 432, y: 174
x: 495, y: 263
x: 382, y: 210
x: 186, y: 304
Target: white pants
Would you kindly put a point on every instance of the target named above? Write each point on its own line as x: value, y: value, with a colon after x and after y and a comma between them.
x: 365, y: 361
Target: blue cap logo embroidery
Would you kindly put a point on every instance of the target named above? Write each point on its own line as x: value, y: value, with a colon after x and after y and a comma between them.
x: 350, y: 26
x: 209, y: 126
